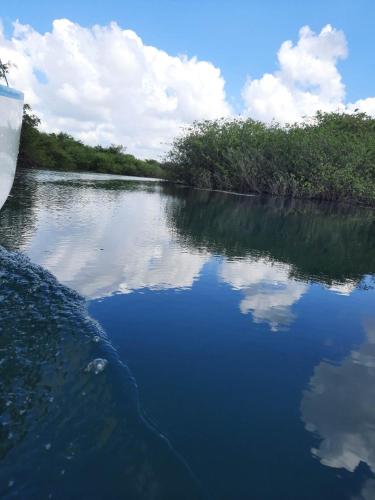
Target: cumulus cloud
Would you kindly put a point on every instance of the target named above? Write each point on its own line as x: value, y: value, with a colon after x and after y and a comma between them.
x: 104, y: 85
x: 307, y: 78
x: 306, y: 81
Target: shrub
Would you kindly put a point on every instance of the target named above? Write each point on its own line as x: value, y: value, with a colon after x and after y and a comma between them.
x: 331, y: 157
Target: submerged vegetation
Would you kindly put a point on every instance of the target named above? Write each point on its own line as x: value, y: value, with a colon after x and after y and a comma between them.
x: 63, y: 152
x: 331, y: 157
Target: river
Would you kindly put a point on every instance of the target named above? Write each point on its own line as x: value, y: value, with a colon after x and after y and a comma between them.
x: 159, y: 342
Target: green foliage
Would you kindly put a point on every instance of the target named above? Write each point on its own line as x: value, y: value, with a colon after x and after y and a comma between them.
x: 63, y: 152
x: 331, y: 157
x: 4, y: 70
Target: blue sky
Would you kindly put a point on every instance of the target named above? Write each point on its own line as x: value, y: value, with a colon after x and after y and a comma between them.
x: 106, y: 85
x: 241, y: 37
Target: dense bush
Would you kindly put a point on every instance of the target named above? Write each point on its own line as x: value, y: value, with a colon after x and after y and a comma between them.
x: 63, y: 152
x: 331, y: 157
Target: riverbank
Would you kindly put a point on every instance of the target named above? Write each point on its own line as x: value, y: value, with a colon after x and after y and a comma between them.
x: 330, y: 157
x: 63, y: 152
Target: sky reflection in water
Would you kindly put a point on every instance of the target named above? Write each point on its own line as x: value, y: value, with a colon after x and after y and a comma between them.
x: 204, y: 293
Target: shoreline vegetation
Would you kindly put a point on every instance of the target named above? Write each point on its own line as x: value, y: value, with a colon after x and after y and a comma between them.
x: 63, y: 152
x: 330, y: 157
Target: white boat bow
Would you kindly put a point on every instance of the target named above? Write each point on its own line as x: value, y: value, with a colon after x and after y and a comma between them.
x: 11, y: 110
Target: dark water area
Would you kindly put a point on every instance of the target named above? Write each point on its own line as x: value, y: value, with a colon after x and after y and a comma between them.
x: 237, y: 333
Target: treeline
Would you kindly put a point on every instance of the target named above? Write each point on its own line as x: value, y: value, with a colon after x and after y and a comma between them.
x: 330, y: 157
x: 63, y: 152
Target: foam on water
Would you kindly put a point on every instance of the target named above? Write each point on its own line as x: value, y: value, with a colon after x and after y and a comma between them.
x: 65, y: 432
x: 96, y: 365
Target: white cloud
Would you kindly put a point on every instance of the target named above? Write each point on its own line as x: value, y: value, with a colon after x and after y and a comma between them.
x: 306, y: 81
x: 364, y: 105
x: 104, y: 85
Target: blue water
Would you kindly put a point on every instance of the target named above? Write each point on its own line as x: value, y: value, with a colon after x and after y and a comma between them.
x: 247, y: 323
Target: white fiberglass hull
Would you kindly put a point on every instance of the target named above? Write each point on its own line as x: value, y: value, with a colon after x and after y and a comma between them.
x: 11, y: 108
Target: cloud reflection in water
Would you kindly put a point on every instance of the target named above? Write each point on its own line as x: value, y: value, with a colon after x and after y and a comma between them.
x: 269, y: 291
x: 99, y: 249
x: 339, y: 407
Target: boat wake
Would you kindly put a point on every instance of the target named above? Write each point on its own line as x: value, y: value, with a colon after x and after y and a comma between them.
x: 70, y: 420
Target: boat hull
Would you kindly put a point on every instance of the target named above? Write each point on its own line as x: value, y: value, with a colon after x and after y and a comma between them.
x: 11, y: 109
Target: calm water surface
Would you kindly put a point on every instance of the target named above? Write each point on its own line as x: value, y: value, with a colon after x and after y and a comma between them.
x: 237, y: 333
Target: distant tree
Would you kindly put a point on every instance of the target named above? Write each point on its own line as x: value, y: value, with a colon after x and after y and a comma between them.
x: 63, y: 152
x: 30, y: 121
x: 29, y: 137
x: 4, y: 70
